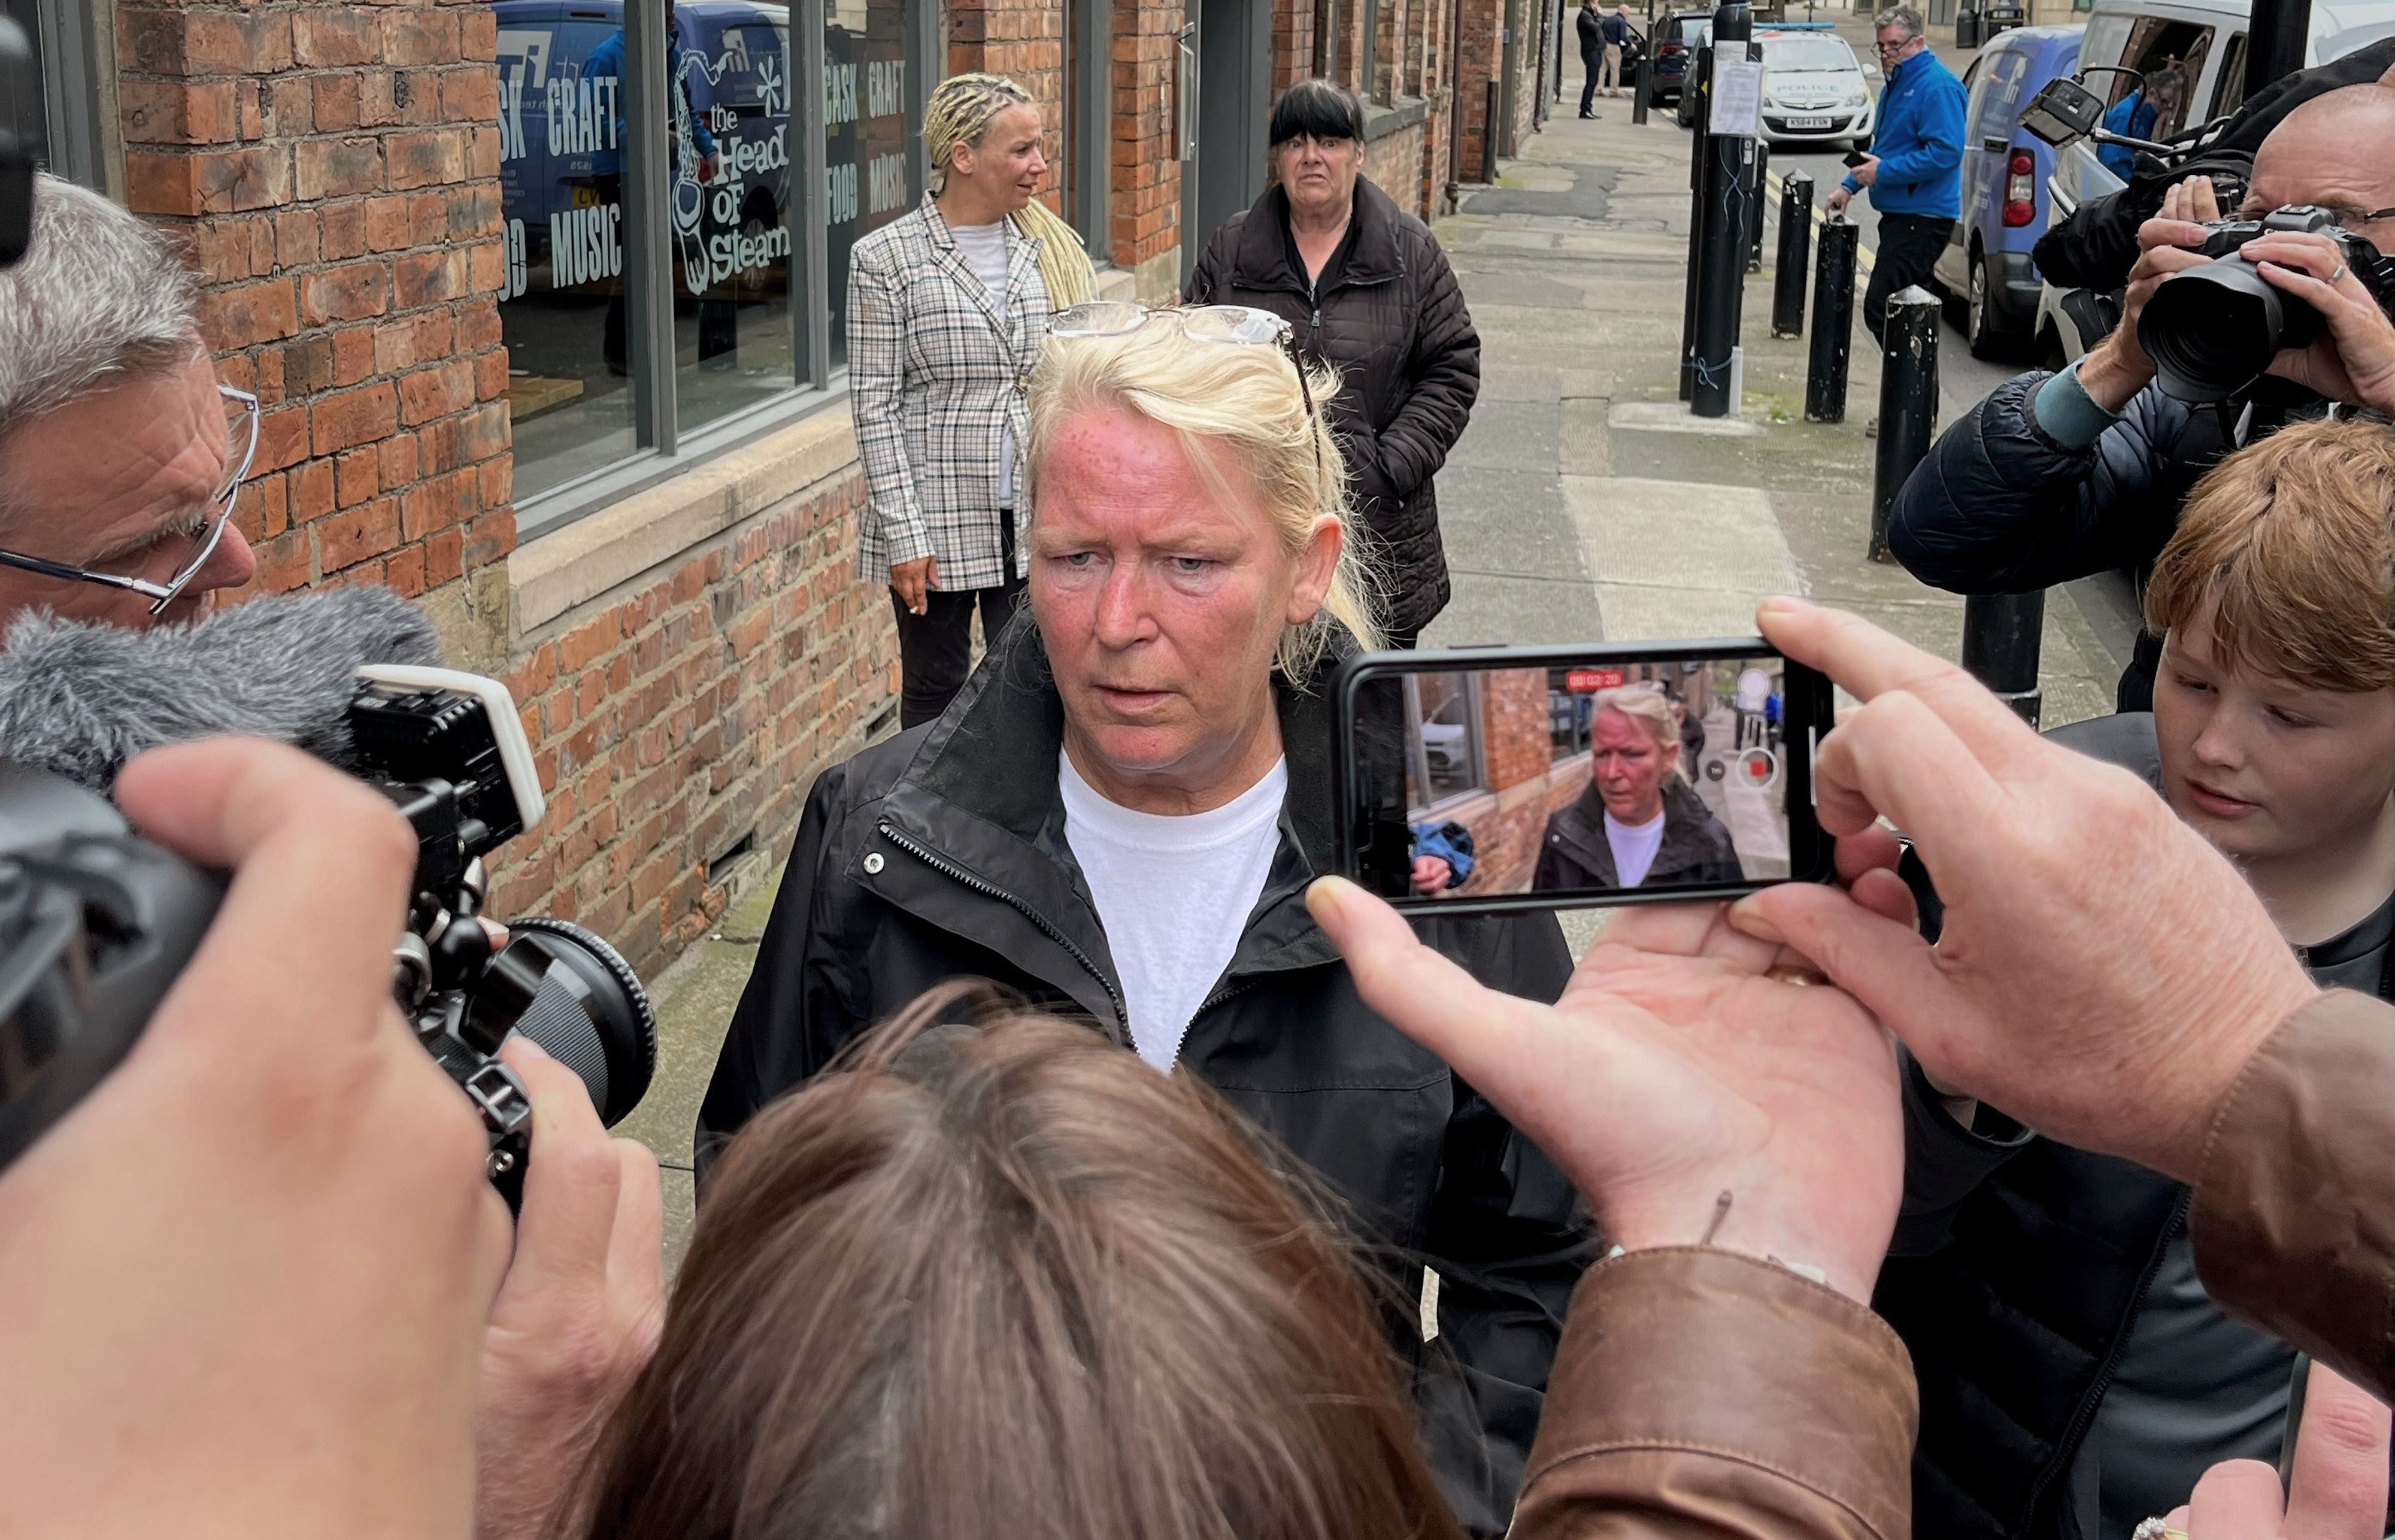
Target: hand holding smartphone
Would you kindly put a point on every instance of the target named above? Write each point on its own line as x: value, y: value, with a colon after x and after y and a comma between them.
x: 1511, y: 778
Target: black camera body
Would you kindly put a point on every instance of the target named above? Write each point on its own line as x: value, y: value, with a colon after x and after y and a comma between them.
x: 97, y: 923
x: 2212, y: 331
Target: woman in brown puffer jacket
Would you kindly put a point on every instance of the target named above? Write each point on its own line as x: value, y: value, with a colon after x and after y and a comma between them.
x: 1369, y: 291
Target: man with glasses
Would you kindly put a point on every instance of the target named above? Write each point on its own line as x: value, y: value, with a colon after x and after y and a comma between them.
x: 2058, y: 476
x: 1916, y: 178
x: 121, y: 455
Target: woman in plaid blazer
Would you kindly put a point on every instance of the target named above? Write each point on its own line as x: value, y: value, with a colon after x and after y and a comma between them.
x: 946, y: 308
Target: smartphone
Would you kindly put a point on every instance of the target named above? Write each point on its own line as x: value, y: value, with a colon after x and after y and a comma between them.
x: 1489, y: 780
x: 1855, y: 157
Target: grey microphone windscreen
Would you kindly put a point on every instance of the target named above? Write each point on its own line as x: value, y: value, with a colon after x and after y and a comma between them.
x: 80, y: 698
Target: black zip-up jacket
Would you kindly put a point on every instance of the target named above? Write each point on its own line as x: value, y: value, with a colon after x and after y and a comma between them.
x: 1999, y: 506
x: 1394, y: 322
x: 2017, y: 1270
x: 941, y: 851
x: 1696, y: 847
x: 1591, y: 27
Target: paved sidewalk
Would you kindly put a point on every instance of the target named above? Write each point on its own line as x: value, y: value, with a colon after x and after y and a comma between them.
x: 1584, y: 503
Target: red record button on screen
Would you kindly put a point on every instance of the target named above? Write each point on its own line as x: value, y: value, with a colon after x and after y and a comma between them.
x: 1590, y: 681
x: 1758, y: 768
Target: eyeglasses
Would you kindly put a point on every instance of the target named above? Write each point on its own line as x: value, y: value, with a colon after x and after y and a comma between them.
x: 241, y: 451
x: 1237, y: 325
x: 1897, y: 47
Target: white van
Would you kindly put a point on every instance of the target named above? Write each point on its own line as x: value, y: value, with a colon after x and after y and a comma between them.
x: 2206, y: 39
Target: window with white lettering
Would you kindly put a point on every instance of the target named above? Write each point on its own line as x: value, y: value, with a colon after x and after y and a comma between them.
x: 562, y: 308
x: 868, y: 172
x: 731, y: 140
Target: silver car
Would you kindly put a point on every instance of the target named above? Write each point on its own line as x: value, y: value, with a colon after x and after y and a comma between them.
x: 1814, y: 91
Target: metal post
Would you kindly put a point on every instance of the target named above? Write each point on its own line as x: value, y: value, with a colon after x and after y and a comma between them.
x: 1999, y: 644
x: 1488, y: 139
x: 1700, y: 80
x: 1756, y: 185
x: 1720, y: 275
x: 2274, y: 42
x: 1833, y: 323
x: 1907, y: 402
x: 1642, y: 91
x: 1787, y: 275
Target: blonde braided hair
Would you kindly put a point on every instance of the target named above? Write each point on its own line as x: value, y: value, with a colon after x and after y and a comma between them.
x: 960, y: 112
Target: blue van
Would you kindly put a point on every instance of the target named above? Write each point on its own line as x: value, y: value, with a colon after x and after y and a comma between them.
x: 1986, y: 262
x: 560, y: 159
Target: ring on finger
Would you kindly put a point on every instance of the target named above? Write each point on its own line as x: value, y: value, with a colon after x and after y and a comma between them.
x: 1791, y: 973
x: 2338, y: 274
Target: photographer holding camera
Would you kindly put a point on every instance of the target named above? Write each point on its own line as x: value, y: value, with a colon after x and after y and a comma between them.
x: 121, y: 454
x: 2058, y: 476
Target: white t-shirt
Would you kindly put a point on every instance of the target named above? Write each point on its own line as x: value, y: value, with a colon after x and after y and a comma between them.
x: 1173, y: 893
x: 985, y: 251
x: 1634, y: 847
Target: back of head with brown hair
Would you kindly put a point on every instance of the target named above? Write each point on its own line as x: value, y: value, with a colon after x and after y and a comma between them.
x: 2293, y: 540
x: 1008, y: 1280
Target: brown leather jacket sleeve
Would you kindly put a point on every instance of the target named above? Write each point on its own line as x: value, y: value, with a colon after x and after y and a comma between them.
x: 1701, y: 1393
x: 2295, y: 1196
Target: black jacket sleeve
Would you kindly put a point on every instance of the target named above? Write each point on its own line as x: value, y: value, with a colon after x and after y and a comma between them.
x: 1206, y: 280
x: 797, y: 1010
x: 1944, y: 1162
x: 1445, y: 369
x: 1508, y: 1236
x: 2000, y: 507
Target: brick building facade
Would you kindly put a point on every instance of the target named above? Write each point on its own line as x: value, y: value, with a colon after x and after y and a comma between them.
x: 509, y: 370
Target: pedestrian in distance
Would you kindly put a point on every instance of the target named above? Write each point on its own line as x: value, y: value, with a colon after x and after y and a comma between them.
x: 1369, y: 292
x: 1915, y: 177
x: 2147, y: 112
x: 1617, y: 34
x: 1590, y: 24
x: 947, y: 308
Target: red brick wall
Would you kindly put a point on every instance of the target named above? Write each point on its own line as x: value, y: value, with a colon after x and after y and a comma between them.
x: 1514, y: 728
x: 674, y: 720
x: 334, y: 167
x: 1478, y: 24
x: 1144, y: 205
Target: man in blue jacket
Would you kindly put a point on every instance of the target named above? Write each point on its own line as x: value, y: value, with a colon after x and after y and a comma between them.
x: 1917, y: 179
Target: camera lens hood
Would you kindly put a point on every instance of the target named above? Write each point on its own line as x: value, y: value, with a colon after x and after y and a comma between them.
x: 2213, y: 330
x: 597, y: 1021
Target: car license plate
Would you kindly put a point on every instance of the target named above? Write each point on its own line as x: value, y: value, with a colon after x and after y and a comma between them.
x: 1815, y: 121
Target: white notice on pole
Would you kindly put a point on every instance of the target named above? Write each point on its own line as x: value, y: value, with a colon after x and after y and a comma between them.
x: 1738, y: 97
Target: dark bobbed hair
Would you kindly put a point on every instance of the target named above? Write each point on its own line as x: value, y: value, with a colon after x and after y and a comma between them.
x: 1001, y: 1277
x: 1316, y: 109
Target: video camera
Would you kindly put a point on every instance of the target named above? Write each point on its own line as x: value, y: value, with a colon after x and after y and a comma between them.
x: 2213, y: 330
x: 96, y: 923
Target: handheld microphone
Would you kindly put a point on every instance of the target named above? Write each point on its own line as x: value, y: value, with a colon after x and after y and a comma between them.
x: 79, y: 698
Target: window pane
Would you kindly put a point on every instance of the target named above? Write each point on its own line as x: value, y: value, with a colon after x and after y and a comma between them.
x: 869, y: 176
x: 27, y: 116
x: 562, y: 186
x: 731, y: 141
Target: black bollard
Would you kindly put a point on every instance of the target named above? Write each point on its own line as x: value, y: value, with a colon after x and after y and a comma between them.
x: 1640, y: 93
x: 2000, y: 646
x: 1907, y: 401
x: 1795, y: 242
x: 1757, y: 189
x: 1720, y: 273
x: 1698, y: 79
x: 1833, y: 323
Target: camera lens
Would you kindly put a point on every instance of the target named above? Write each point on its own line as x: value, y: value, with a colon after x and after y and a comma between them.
x: 2212, y: 330
x: 589, y: 1013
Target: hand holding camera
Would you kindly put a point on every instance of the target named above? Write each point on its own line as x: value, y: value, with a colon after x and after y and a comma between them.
x: 2214, y: 304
